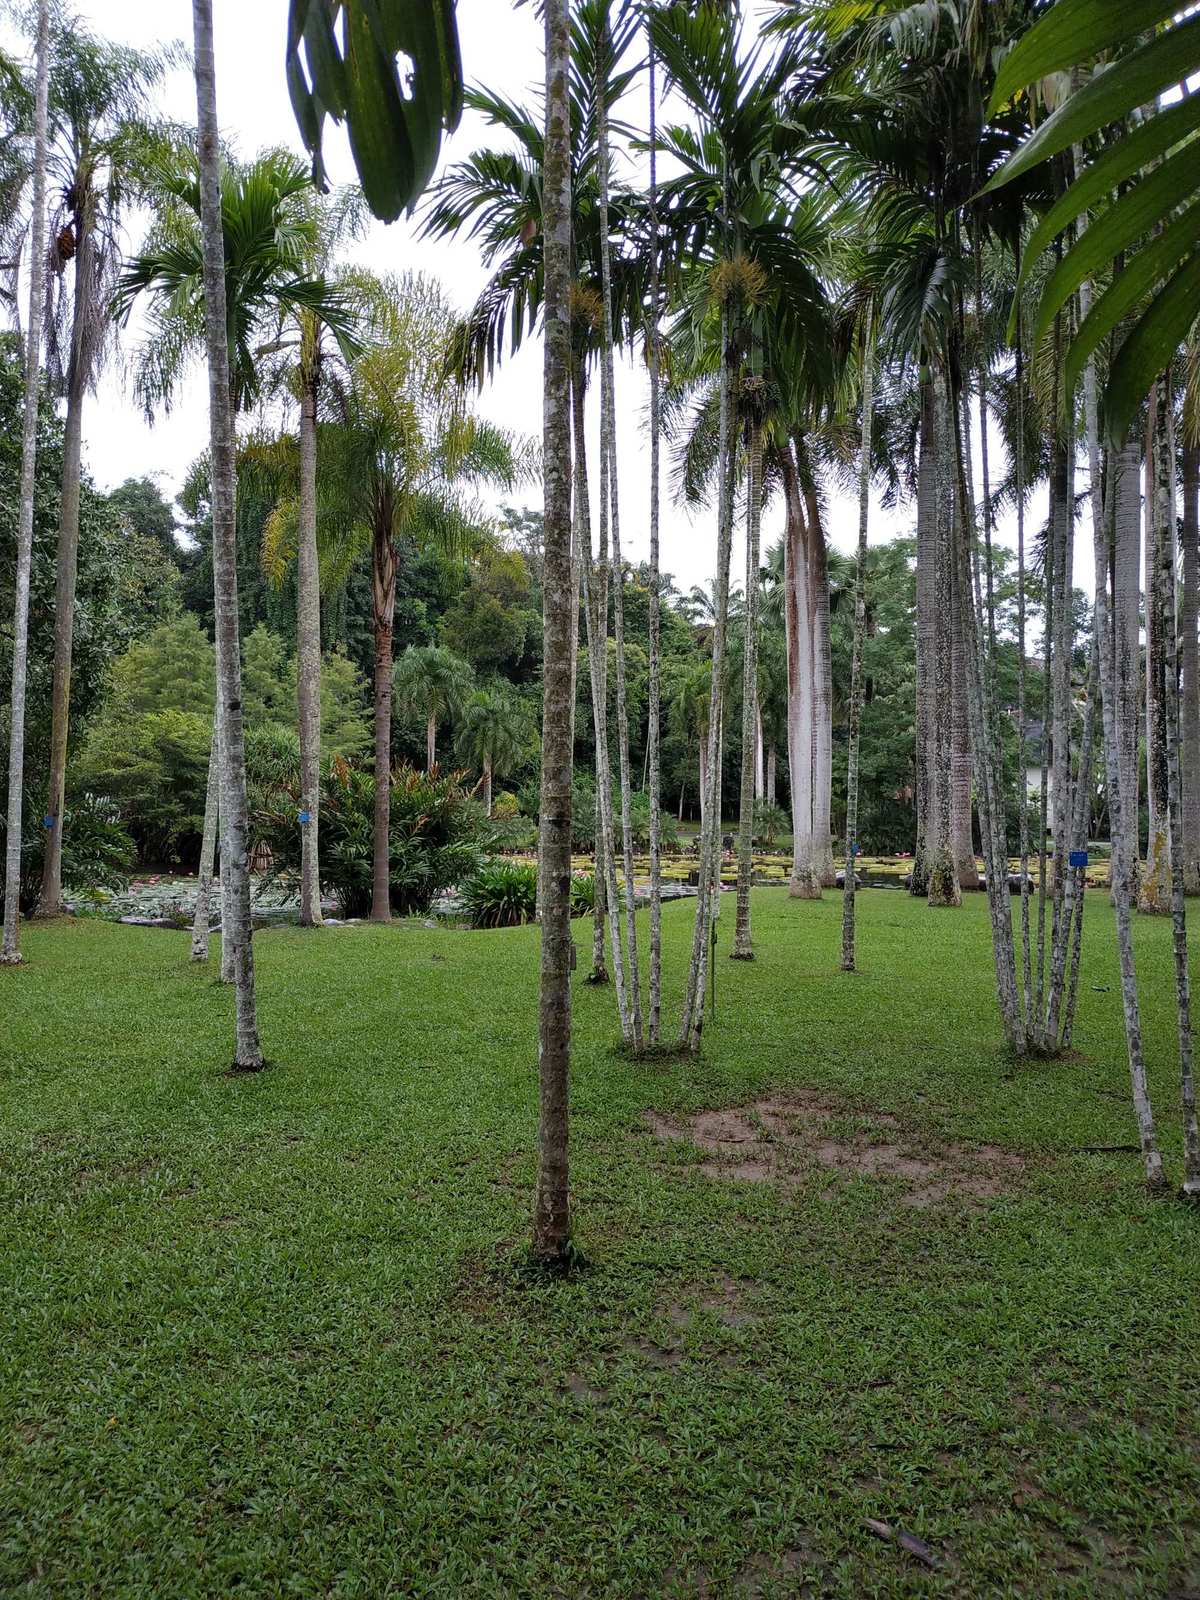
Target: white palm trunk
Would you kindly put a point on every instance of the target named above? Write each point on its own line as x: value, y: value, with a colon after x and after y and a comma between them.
x: 609, y: 429
x: 1154, y: 898
x: 710, y: 832
x: 654, y: 691
x: 50, y: 903
x: 743, y: 949
x: 822, y: 675
x: 237, y: 929
x: 962, y: 837
x: 856, y: 658
x: 308, y: 662
x: 202, y: 915
x: 927, y: 520
x: 10, y: 953
x: 1122, y: 862
x: 1126, y: 623
x: 943, y: 876
x: 804, y: 885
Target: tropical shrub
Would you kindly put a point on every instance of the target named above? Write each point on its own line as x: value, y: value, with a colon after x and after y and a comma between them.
x: 583, y: 894
x: 501, y: 894
x: 97, y: 851
x: 434, y: 840
x: 770, y: 822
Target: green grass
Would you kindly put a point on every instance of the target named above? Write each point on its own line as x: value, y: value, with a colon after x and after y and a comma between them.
x: 270, y: 1336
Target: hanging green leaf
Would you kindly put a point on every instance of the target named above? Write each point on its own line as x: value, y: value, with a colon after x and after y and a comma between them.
x: 1075, y: 31
x: 1150, y: 348
x: 389, y: 69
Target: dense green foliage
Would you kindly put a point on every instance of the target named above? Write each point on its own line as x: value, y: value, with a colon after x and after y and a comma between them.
x: 249, y: 1318
x: 436, y: 832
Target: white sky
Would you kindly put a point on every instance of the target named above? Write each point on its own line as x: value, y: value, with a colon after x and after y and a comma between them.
x: 501, y: 47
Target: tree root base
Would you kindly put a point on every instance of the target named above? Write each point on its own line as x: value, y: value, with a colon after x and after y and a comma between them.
x: 240, y: 1069
x: 16, y: 959
x: 741, y: 955
x: 542, y: 1266
x: 597, y: 977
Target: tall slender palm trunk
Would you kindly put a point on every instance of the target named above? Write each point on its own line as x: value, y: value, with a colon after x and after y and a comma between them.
x: 10, y: 953
x: 608, y: 410
x: 1189, y: 616
x: 927, y: 555
x: 237, y: 930
x: 821, y: 638
x: 860, y: 632
x: 654, y: 687
x: 552, y: 1213
x: 1125, y: 561
x: 1154, y: 897
x: 50, y: 903
x: 1123, y: 863
x: 308, y: 657
x: 707, y: 900
x: 743, y: 948
x: 943, y: 874
x: 383, y: 600
x: 582, y: 516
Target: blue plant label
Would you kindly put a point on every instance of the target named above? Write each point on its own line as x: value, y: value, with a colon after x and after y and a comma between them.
x: 306, y: 816
x: 47, y: 821
x: 1078, y: 858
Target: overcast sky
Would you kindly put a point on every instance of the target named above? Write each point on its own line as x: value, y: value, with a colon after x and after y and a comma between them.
x: 502, y: 48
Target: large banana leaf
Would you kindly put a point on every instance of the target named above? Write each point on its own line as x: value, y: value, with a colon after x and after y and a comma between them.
x: 342, y: 62
x: 1145, y: 176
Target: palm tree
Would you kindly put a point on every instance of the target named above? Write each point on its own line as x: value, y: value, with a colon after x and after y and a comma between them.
x: 494, y: 736
x: 236, y: 927
x: 307, y: 356
x: 101, y: 94
x: 404, y: 444
x: 10, y: 954
x: 552, y: 1213
x: 734, y: 222
x: 272, y: 233
x: 433, y: 683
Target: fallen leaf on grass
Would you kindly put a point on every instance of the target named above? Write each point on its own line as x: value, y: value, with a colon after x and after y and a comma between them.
x: 907, y: 1541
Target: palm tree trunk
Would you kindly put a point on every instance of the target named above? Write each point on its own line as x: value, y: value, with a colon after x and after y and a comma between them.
x: 208, y: 846
x: 552, y: 1214
x: 487, y: 785
x: 804, y: 885
x: 582, y: 513
x: 383, y: 600
x: 308, y: 661
x: 962, y: 836
x: 743, y: 949
x: 1126, y: 614
x: 50, y: 903
x: 609, y: 431
x: 770, y: 780
x: 710, y: 832
x: 860, y: 631
x: 824, y: 869
x: 1155, y: 893
x: 1022, y: 708
x: 760, y: 780
x: 943, y: 876
x: 654, y: 688
x: 927, y: 521
x: 1189, y: 709
x: 10, y: 954
x: 247, y: 1053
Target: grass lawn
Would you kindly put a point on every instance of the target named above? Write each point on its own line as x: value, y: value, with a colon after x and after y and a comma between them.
x: 270, y: 1336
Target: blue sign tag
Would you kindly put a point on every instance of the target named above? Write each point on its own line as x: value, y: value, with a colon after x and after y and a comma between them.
x: 1078, y: 858
x: 47, y: 822
x: 305, y: 816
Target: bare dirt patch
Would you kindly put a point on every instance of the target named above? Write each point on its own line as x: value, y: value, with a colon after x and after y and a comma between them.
x: 779, y: 1141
